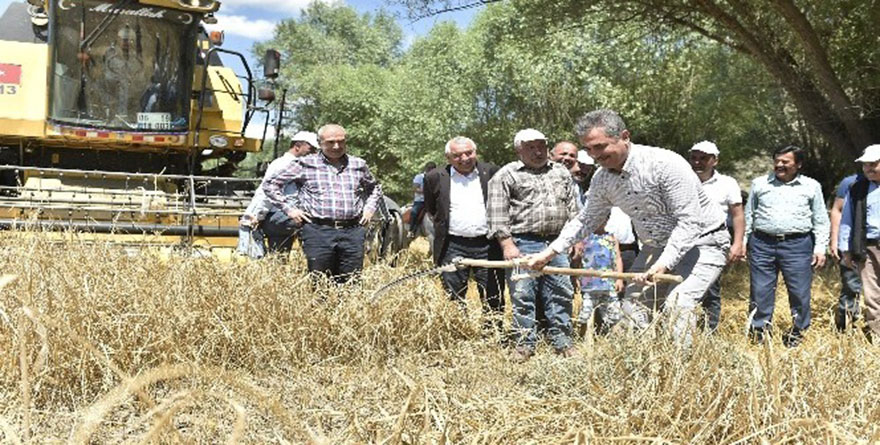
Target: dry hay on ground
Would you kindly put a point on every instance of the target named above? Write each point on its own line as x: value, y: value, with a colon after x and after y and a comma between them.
x: 102, y: 347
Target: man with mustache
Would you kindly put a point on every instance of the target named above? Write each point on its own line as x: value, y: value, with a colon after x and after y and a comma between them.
x: 726, y: 192
x: 529, y: 202
x: 337, y: 198
x: 787, y: 229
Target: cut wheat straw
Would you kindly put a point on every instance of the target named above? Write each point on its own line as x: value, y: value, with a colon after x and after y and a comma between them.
x: 109, y: 347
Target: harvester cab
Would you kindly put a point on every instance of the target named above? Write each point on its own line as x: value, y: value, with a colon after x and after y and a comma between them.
x: 109, y: 113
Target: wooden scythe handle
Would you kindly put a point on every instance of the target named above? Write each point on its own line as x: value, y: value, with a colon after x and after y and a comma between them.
x: 628, y: 276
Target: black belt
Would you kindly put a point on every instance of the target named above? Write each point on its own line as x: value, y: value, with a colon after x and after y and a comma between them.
x: 479, y: 240
x: 534, y: 235
x: 632, y: 246
x: 779, y: 238
x: 336, y: 223
x: 723, y: 226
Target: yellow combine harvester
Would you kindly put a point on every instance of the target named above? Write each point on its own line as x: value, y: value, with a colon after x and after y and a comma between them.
x: 108, y: 112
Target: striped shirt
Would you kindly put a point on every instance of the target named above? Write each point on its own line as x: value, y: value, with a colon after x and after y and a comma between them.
x: 660, y: 192
x: 325, y: 191
x: 525, y: 200
x: 787, y: 208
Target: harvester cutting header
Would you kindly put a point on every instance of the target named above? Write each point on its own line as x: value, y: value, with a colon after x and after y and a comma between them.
x: 108, y: 112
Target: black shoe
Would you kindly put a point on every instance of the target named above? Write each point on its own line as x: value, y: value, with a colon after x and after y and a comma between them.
x: 757, y: 336
x: 792, y: 338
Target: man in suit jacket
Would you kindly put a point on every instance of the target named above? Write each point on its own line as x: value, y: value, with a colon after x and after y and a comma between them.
x: 455, y: 195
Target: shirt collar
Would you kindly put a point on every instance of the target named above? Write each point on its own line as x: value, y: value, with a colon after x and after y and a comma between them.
x: 795, y: 181
x: 326, y: 161
x: 629, y: 166
x: 712, y: 178
x: 453, y: 172
x: 520, y: 165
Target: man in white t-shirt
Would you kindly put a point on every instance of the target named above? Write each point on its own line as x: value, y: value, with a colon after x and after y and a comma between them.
x: 725, y: 191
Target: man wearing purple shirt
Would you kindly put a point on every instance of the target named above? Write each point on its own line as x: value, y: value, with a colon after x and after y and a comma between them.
x: 337, y: 198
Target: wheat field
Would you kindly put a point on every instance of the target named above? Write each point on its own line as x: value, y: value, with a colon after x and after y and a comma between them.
x: 102, y: 346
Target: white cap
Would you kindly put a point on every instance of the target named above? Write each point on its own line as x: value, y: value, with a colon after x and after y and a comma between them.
x: 706, y: 147
x: 871, y: 154
x: 584, y: 158
x: 529, y: 134
x: 306, y: 136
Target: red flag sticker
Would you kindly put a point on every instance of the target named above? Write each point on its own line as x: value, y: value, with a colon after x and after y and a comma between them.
x: 10, y: 73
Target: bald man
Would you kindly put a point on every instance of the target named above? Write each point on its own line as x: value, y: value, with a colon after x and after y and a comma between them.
x: 338, y: 196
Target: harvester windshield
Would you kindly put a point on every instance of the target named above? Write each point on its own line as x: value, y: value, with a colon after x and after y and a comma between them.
x: 121, y: 65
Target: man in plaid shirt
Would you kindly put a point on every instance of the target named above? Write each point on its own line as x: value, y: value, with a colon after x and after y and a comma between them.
x: 529, y: 202
x: 337, y: 198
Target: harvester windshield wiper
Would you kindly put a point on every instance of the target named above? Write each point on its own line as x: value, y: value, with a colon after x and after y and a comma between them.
x: 105, y: 23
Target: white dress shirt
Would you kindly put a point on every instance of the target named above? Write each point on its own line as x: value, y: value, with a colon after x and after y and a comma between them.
x: 661, y: 193
x: 467, y: 211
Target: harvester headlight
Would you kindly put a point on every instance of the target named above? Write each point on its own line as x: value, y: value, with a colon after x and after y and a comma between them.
x: 218, y: 141
x: 207, y: 5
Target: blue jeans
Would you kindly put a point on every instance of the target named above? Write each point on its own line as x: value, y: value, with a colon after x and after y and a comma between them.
x: 553, y: 291
x: 251, y: 242
x: 768, y: 257
x: 280, y: 231
x: 414, y: 215
x: 848, y: 303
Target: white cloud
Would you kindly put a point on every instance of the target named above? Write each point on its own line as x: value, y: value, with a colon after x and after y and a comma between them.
x: 285, y: 6
x: 240, y: 25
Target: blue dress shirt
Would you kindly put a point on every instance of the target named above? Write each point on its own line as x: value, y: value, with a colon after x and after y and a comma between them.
x: 846, y: 219
x: 787, y: 208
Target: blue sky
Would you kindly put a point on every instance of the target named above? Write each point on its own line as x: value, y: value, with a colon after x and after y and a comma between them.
x: 248, y: 21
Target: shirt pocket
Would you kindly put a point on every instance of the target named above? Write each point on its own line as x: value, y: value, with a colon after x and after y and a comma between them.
x: 560, y: 189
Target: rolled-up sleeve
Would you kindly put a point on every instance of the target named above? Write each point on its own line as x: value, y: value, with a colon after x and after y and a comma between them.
x: 681, y: 191
x: 273, y: 187
x: 499, y: 206
x: 821, y: 222
x: 372, y: 201
x: 751, y: 203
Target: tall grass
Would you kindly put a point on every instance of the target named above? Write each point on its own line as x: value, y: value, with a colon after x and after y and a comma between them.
x: 100, y: 346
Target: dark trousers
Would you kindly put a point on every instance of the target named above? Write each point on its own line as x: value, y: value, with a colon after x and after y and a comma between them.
x: 848, y: 303
x: 337, y: 253
x: 490, y: 282
x: 280, y: 231
x: 768, y: 257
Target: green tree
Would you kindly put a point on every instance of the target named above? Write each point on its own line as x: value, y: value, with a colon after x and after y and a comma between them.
x: 826, y: 55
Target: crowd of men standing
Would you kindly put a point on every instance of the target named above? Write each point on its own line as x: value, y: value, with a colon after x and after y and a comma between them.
x: 680, y: 216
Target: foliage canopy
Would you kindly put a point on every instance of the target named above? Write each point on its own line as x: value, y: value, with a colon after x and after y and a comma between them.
x: 513, y: 68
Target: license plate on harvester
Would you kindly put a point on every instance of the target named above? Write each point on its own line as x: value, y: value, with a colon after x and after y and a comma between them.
x: 154, y: 121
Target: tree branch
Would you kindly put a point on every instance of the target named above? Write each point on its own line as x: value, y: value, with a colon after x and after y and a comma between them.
x: 822, y: 68
x: 434, y: 12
